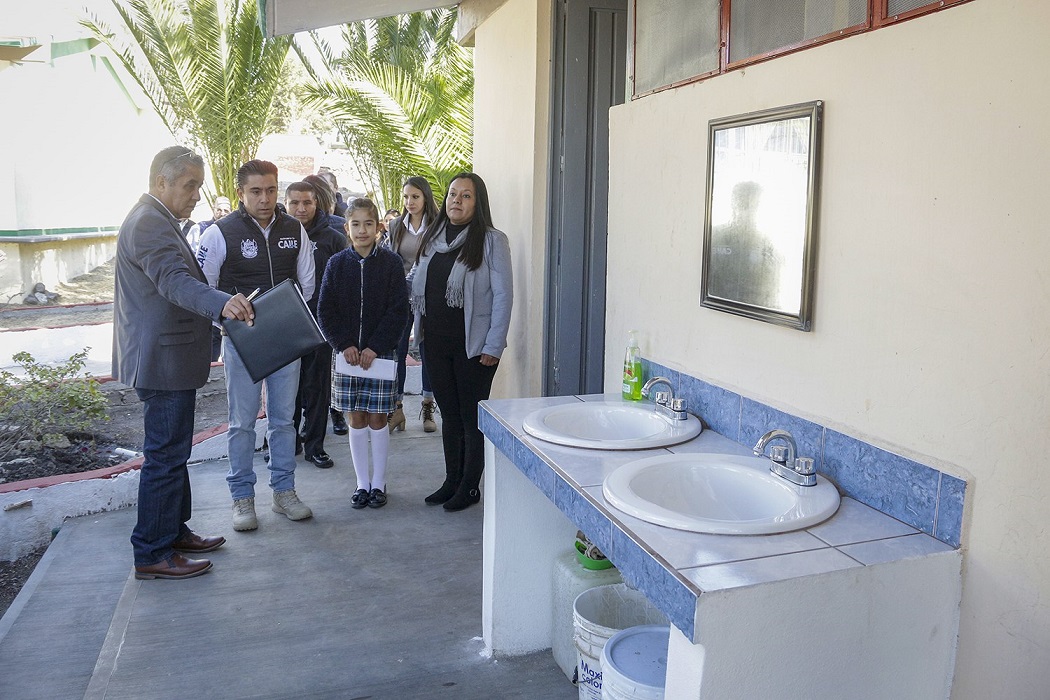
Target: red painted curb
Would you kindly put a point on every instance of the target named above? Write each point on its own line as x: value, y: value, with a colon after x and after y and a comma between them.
x: 104, y: 473
x: 34, y: 307
x: 53, y: 328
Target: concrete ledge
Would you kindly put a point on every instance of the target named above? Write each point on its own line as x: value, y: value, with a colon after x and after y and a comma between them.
x: 30, y: 516
x: 52, y: 260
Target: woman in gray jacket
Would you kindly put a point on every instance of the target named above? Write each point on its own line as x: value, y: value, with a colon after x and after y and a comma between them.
x: 461, y: 295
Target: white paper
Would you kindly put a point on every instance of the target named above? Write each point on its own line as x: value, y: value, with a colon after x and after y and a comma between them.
x: 379, y: 369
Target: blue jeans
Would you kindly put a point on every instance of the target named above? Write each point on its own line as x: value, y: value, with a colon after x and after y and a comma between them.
x: 164, y: 483
x: 245, y: 399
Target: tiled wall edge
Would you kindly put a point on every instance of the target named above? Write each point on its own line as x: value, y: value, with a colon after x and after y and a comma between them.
x: 921, y: 496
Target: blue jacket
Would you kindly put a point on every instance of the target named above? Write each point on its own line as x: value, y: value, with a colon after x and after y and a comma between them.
x: 363, y: 301
x: 328, y: 238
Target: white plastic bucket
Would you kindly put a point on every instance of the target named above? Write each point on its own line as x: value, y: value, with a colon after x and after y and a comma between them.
x: 634, y: 663
x: 569, y: 580
x: 598, y: 614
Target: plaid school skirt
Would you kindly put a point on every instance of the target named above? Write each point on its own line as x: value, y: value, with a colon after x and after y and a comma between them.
x: 363, y: 393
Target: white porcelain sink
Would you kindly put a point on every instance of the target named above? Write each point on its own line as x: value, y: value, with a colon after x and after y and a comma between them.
x: 609, y: 425
x: 717, y: 493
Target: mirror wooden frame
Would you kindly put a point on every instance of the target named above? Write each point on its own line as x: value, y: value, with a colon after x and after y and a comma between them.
x: 760, y: 220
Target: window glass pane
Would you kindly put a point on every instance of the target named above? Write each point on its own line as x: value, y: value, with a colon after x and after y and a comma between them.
x: 758, y: 27
x: 675, y: 40
x: 896, y: 7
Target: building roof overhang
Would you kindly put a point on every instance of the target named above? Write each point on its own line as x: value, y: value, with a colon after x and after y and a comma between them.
x: 280, y: 17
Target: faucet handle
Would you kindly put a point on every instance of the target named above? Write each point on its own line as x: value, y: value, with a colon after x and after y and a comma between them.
x: 662, y: 397
x: 677, y: 404
x: 805, y: 466
x: 778, y: 453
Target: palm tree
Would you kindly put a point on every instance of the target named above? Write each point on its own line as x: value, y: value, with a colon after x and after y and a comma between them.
x: 208, y: 71
x: 401, y: 91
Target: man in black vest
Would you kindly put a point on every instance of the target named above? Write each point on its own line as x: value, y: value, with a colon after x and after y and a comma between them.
x: 315, y: 376
x: 255, y: 248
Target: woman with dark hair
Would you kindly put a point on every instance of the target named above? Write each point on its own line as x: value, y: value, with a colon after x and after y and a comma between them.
x: 404, y: 236
x: 388, y: 218
x: 462, y: 294
x: 325, y: 194
x: 338, y: 205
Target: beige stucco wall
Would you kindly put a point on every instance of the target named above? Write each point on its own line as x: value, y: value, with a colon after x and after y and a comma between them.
x: 931, y: 333
x: 512, y: 78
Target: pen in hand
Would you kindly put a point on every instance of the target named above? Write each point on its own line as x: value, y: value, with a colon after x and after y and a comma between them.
x: 240, y: 307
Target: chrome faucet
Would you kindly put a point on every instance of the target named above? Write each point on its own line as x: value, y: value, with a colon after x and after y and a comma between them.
x: 665, y: 402
x: 784, y: 461
x: 653, y: 382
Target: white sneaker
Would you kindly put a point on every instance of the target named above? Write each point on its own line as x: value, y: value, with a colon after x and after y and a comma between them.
x: 244, y: 514
x: 287, y: 503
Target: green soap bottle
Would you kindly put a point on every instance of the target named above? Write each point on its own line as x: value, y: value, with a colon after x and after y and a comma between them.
x: 632, y: 370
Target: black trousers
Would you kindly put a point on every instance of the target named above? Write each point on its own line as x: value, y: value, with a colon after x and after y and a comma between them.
x: 459, y: 383
x: 313, y: 400
x: 216, y: 344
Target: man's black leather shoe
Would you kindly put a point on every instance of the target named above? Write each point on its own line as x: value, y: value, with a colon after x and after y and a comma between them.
x: 321, y: 460
x: 339, y: 426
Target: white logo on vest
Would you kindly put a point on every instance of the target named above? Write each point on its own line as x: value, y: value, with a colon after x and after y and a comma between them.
x: 287, y: 243
x: 249, y: 248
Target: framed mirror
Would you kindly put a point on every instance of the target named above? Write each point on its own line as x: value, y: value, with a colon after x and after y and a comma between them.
x: 760, y: 223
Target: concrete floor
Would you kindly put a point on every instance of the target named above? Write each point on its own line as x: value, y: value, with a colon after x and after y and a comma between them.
x: 353, y: 604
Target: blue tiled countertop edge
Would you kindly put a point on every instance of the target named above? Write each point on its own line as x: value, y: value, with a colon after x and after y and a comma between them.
x: 866, y: 537
x: 929, y: 500
x: 672, y: 592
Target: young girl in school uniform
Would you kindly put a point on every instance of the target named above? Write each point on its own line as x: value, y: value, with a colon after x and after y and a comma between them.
x: 362, y: 310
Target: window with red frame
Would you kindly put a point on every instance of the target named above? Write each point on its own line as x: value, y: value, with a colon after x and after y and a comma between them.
x: 682, y: 41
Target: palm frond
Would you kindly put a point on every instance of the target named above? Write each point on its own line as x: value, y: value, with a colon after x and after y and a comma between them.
x: 401, y: 90
x: 206, y: 68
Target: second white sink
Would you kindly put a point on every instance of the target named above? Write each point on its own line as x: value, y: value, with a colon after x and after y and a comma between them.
x: 718, y: 494
x: 609, y: 425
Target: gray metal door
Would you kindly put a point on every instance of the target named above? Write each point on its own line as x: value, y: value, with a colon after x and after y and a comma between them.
x: 589, y: 76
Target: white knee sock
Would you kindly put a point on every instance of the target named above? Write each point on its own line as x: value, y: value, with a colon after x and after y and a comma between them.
x: 359, y: 454
x: 380, y: 445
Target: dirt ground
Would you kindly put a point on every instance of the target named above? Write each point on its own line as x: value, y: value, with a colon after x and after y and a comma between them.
x: 14, y: 574
x: 86, y: 300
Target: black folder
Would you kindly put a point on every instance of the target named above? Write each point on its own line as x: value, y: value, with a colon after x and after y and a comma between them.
x: 283, y: 331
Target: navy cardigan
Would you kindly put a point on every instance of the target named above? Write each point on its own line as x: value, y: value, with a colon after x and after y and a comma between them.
x: 363, y: 301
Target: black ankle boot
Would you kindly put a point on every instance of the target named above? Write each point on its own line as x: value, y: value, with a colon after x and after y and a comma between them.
x: 339, y: 426
x: 447, y: 491
x: 462, y: 499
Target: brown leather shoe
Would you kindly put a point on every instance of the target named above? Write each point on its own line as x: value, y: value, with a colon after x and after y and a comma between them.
x: 192, y: 543
x: 175, y: 566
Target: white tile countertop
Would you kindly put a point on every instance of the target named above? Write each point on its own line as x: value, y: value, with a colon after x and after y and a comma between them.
x: 672, y: 567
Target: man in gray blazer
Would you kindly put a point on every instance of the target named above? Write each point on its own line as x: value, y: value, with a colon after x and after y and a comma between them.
x: 162, y: 313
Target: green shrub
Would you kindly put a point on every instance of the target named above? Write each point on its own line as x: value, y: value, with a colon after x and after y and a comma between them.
x: 48, y: 401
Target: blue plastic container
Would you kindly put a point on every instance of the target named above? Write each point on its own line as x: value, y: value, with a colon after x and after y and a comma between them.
x: 634, y: 663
